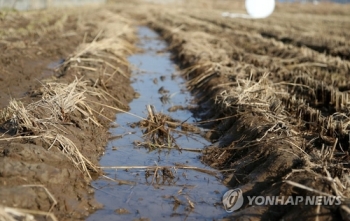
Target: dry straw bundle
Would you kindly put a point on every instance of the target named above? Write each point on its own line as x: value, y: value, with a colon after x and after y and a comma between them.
x: 43, y: 119
x: 108, y: 49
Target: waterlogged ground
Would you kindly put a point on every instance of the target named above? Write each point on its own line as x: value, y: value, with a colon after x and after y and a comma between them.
x: 274, y: 93
x: 190, y: 194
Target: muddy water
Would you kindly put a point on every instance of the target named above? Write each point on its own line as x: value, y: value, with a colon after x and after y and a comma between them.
x: 142, y: 198
x: 50, y: 68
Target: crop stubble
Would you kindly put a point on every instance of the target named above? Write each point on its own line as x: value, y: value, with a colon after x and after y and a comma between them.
x: 53, y: 136
x: 274, y: 92
x: 280, y: 86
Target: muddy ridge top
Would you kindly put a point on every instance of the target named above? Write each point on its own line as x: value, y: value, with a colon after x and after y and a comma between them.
x: 55, y: 124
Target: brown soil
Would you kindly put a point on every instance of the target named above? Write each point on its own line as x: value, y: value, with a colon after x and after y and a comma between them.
x: 29, y: 43
x: 274, y: 93
x: 34, y: 40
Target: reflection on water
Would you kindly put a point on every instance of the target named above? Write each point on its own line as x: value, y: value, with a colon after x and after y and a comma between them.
x: 176, y: 194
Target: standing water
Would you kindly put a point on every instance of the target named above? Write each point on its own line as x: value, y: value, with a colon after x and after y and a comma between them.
x: 184, y: 194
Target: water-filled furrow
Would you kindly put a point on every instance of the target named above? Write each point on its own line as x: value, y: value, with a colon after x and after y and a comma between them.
x: 174, y: 193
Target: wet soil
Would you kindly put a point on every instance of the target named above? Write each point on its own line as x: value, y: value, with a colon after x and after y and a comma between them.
x: 176, y: 194
x: 31, y: 43
x: 37, y: 175
x: 273, y: 95
x: 272, y: 92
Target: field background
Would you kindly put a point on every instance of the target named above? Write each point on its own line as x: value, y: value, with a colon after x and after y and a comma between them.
x: 24, y: 5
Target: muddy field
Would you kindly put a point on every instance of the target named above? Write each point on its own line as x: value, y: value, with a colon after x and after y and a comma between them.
x: 275, y: 93
x: 272, y: 94
x: 58, y: 71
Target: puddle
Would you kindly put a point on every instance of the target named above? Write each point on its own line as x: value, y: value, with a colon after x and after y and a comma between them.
x: 174, y: 198
x: 50, y: 68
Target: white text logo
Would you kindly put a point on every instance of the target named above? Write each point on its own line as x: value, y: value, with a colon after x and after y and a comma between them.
x: 233, y: 200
